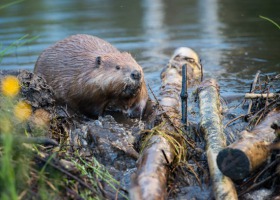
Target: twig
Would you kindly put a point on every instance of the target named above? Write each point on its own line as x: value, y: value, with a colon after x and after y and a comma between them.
x: 255, y: 96
x: 275, y: 162
x: 67, y: 173
x: 253, y: 89
x: 184, y: 94
x: 154, y: 95
x: 258, y: 184
x: 234, y: 120
x: 195, y: 175
x: 33, y: 140
x: 100, y: 187
x: 116, y: 195
x: 65, y: 111
x: 167, y: 161
x: 260, y: 111
x: 39, y: 140
x: 260, y: 117
x: 201, y: 72
x: 255, y: 81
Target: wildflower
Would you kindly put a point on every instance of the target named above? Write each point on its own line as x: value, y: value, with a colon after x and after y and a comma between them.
x: 10, y: 86
x: 22, y: 111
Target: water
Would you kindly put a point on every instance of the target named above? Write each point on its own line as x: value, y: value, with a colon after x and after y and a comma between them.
x: 231, y: 39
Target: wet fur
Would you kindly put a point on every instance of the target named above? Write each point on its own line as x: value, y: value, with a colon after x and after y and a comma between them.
x: 83, y: 73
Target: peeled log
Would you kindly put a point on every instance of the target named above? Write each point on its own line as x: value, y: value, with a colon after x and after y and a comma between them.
x: 242, y: 157
x: 211, y: 125
x: 150, y: 180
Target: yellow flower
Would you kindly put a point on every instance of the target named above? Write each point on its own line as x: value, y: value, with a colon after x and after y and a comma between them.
x: 22, y: 111
x: 10, y: 86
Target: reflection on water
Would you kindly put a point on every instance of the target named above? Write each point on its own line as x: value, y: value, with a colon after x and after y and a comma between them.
x: 156, y: 35
x: 211, y: 34
x: 230, y: 37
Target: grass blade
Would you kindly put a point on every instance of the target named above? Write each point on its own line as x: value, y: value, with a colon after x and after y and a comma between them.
x: 271, y: 21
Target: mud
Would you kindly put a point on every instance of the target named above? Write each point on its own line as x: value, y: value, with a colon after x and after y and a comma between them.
x: 113, y: 140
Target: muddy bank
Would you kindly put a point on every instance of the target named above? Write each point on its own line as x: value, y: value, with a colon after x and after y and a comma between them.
x: 103, y: 139
x: 98, y: 156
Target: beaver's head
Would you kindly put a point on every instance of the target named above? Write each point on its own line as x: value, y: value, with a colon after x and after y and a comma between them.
x: 120, y: 75
x: 115, y: 80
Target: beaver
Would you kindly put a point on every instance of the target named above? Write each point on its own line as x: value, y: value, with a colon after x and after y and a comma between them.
x: 90, y: 75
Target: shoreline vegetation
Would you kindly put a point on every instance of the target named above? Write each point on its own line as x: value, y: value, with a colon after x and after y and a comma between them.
x: 36, y: 161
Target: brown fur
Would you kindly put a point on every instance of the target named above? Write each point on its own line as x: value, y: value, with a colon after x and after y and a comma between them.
x: 83, y: 72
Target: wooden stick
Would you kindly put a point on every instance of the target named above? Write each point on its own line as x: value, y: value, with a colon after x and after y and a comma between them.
x: 184, y: 94
x: 211, y: 125
x: 253, y: 87
x: 255, y: 96
x: 242, y: 157
x: 33, y: 140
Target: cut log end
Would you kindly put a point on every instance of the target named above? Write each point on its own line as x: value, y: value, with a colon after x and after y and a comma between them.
x: 233, y: 163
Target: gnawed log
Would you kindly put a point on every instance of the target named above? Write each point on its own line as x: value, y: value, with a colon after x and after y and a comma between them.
x: 242, y: 157
x: 165, y: 142
x: 211, y: 125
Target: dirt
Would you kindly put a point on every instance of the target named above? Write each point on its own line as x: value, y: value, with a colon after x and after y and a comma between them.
x: 112, y: 141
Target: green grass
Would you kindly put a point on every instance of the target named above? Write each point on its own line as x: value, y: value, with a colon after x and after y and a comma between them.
x: 95, y: 171
x: 10, y: 4
x: 18, y: 43
x: 14, y: 159
x: 7, y: 172
x: 271, y: 21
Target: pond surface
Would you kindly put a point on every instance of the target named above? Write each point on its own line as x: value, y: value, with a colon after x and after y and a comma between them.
x: 231, y: 38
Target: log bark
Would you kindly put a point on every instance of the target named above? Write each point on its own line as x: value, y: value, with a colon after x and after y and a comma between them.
x: 160, y: 149
x: 153, y: 163
x: 242, y: 157
x: 211, y: 125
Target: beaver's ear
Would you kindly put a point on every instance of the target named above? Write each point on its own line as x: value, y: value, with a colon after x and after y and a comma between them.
x: 98, y: 60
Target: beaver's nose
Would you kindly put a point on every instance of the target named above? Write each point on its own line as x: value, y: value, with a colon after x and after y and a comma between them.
x: 136, y: 75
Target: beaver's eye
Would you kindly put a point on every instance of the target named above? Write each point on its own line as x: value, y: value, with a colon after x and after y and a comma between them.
x: 98, y: 60
x: 118, y: 67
